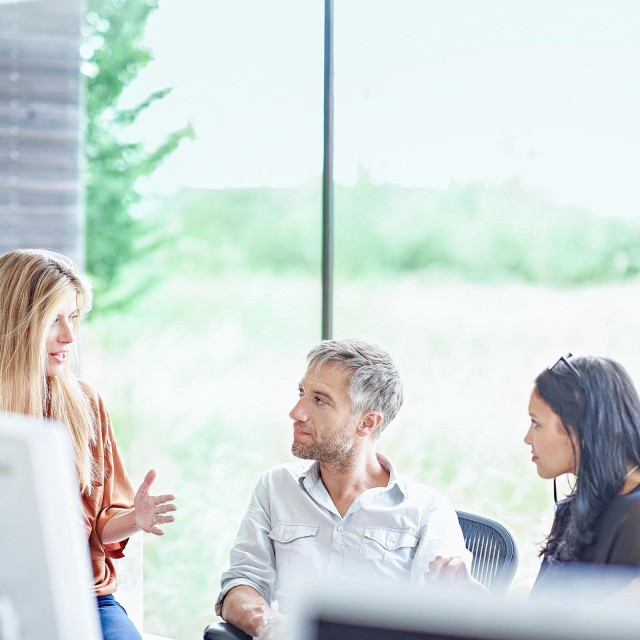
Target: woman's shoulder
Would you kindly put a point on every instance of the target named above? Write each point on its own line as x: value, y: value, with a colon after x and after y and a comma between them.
x: 89, y: 390
x: 94, y: 398
x: 624, y: 509
x: 630, y: 500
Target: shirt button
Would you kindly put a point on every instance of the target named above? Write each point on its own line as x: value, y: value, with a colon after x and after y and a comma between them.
x: 340, y: 528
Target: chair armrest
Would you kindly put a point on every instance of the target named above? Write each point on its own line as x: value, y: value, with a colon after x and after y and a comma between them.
x: 224, y: 631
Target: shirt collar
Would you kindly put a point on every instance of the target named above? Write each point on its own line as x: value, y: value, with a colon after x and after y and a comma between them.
x: 395, y: 480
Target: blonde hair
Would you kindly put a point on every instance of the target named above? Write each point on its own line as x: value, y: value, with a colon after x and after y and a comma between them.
x: 33, y: 285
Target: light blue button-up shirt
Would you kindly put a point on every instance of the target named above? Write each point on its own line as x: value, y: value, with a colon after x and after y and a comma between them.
x: 293, y: 533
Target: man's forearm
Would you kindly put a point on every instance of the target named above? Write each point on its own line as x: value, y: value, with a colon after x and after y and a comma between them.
x: 246, y: 609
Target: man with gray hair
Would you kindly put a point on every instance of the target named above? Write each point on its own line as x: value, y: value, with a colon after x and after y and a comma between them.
x: 348, y: 514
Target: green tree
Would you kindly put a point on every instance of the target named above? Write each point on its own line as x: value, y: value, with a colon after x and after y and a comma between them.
x: 114, y: 54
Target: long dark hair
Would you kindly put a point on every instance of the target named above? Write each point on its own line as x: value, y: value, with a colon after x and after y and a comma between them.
x: 596, y: 399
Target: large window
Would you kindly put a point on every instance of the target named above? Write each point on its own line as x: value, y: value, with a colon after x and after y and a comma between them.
x: 486, y: 222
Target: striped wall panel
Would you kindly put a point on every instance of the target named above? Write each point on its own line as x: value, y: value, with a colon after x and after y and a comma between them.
x: 41, y: 198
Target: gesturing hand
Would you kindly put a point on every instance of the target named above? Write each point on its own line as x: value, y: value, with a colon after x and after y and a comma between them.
x: 150, y: 511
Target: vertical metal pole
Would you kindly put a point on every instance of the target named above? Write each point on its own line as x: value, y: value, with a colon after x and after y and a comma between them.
x: 327, y: 177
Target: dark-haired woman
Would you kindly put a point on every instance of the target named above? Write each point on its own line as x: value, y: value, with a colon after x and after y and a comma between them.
x: 585, y: 420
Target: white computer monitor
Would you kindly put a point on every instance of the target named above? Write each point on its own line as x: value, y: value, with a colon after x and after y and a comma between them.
x: 384, y: 612
x: 45, y: 572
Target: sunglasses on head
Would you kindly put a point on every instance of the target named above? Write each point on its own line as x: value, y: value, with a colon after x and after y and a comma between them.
x: 565, y: 359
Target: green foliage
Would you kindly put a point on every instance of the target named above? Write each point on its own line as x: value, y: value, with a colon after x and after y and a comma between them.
x: 482, y: 234
x: 237, y: 229
x: 115, y: 54
x: 469, y: 232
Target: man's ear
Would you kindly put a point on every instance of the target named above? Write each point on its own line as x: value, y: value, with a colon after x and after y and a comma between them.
x: 369, y: 423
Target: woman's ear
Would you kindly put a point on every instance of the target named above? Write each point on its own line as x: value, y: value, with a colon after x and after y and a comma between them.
x: 575, y: 444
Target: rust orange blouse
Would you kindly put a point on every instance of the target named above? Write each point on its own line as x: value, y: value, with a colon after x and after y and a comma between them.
x: 112, y: 491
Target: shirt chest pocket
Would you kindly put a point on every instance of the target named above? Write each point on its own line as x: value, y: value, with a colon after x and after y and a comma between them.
x: 293, y: 544
x: 386, y: 553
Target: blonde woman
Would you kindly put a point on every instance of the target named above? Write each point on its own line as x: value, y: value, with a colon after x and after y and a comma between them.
x: 42, y: 299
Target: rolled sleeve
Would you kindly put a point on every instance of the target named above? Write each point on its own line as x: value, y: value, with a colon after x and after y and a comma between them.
x: 111, y: 492
x: 117, y: 493
x: 252, y: 557
x: 441, y: 535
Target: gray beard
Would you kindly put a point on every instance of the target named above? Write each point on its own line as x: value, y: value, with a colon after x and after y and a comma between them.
x: 337, y: 453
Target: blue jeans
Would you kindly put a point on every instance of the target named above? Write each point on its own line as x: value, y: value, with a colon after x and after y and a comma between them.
x: 115, y: 621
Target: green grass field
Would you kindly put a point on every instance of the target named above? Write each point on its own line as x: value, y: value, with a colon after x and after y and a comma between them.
x: 200, y: 375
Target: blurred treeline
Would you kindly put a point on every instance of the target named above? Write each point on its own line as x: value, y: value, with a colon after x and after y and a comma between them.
x: 471, y: 232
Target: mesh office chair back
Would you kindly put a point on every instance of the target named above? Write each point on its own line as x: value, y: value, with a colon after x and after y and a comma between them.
x: 495, y: 553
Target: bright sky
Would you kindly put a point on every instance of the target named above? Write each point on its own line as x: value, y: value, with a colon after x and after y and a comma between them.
x: 427, y: 93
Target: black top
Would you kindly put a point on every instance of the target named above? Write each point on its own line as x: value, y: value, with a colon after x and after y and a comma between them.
x: 616, y: 542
